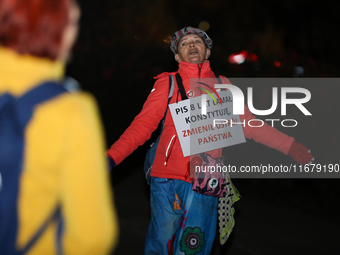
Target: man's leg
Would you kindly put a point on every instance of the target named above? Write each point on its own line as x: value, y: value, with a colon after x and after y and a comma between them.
x: 166, y: 214
x: 198, y: 224
x: 182, y: 221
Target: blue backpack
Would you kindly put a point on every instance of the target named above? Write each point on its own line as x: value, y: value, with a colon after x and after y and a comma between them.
x: 15, y: 114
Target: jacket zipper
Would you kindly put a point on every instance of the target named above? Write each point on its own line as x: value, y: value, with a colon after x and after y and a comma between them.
x: 167, y: 153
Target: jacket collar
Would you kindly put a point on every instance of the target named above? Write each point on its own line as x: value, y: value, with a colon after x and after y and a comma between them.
x: 20, y: 73
x: 195, y: 70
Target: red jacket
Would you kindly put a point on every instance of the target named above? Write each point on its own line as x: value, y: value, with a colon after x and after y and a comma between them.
x: 169, y: 161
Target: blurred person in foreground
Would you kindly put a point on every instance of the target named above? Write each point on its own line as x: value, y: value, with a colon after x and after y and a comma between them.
x: 64, y: 143
x: 184, y: 221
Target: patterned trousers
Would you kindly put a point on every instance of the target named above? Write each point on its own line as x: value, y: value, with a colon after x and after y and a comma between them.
x: 182, y: 221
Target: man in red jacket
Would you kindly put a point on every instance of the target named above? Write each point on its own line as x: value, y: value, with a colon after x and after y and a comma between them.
x: 183, y: 221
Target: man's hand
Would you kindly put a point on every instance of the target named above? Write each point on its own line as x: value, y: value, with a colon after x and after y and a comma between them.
x: 112, y: 163
x: 300, y: 153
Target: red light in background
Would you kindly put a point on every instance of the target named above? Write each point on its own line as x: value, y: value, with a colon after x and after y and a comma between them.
x: 238, y: 58
x: 252, y: 57
x: 277, y: 63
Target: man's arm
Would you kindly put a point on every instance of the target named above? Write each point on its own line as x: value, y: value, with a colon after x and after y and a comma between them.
x: 144, y: 124
x: 275, y: 139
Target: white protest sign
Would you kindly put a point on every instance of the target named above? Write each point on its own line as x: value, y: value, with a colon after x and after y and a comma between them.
x: 199, y: 132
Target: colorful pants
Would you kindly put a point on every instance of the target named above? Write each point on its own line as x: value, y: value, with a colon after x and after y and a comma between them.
x: 182, y: 221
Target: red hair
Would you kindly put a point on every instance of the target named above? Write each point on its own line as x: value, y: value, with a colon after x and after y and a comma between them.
x: 34, y: 26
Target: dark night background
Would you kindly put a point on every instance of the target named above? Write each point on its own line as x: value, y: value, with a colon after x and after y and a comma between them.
x: 123, y: 44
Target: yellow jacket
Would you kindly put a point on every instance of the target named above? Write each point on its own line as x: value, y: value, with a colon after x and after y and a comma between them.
x: 64, y: 162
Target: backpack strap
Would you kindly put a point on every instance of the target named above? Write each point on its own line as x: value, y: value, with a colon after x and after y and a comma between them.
x: 180, y: 86
x: 171, y: 92
x: 219, y: 79
x: 54, y: 216
x: 37, y: 95
x: 41, y: 93
x: 59, y: 234
x: 171, y: 87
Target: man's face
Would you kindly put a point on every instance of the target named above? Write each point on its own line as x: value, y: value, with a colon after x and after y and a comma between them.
x: 192, y: 49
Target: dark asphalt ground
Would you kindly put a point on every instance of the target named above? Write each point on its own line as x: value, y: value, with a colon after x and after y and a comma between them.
x: 273, y: 217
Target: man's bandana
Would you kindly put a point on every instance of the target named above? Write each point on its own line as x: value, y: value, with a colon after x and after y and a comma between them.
x: 176, y: 37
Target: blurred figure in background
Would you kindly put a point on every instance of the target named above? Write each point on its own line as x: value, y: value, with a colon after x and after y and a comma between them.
x: 63, y: 158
